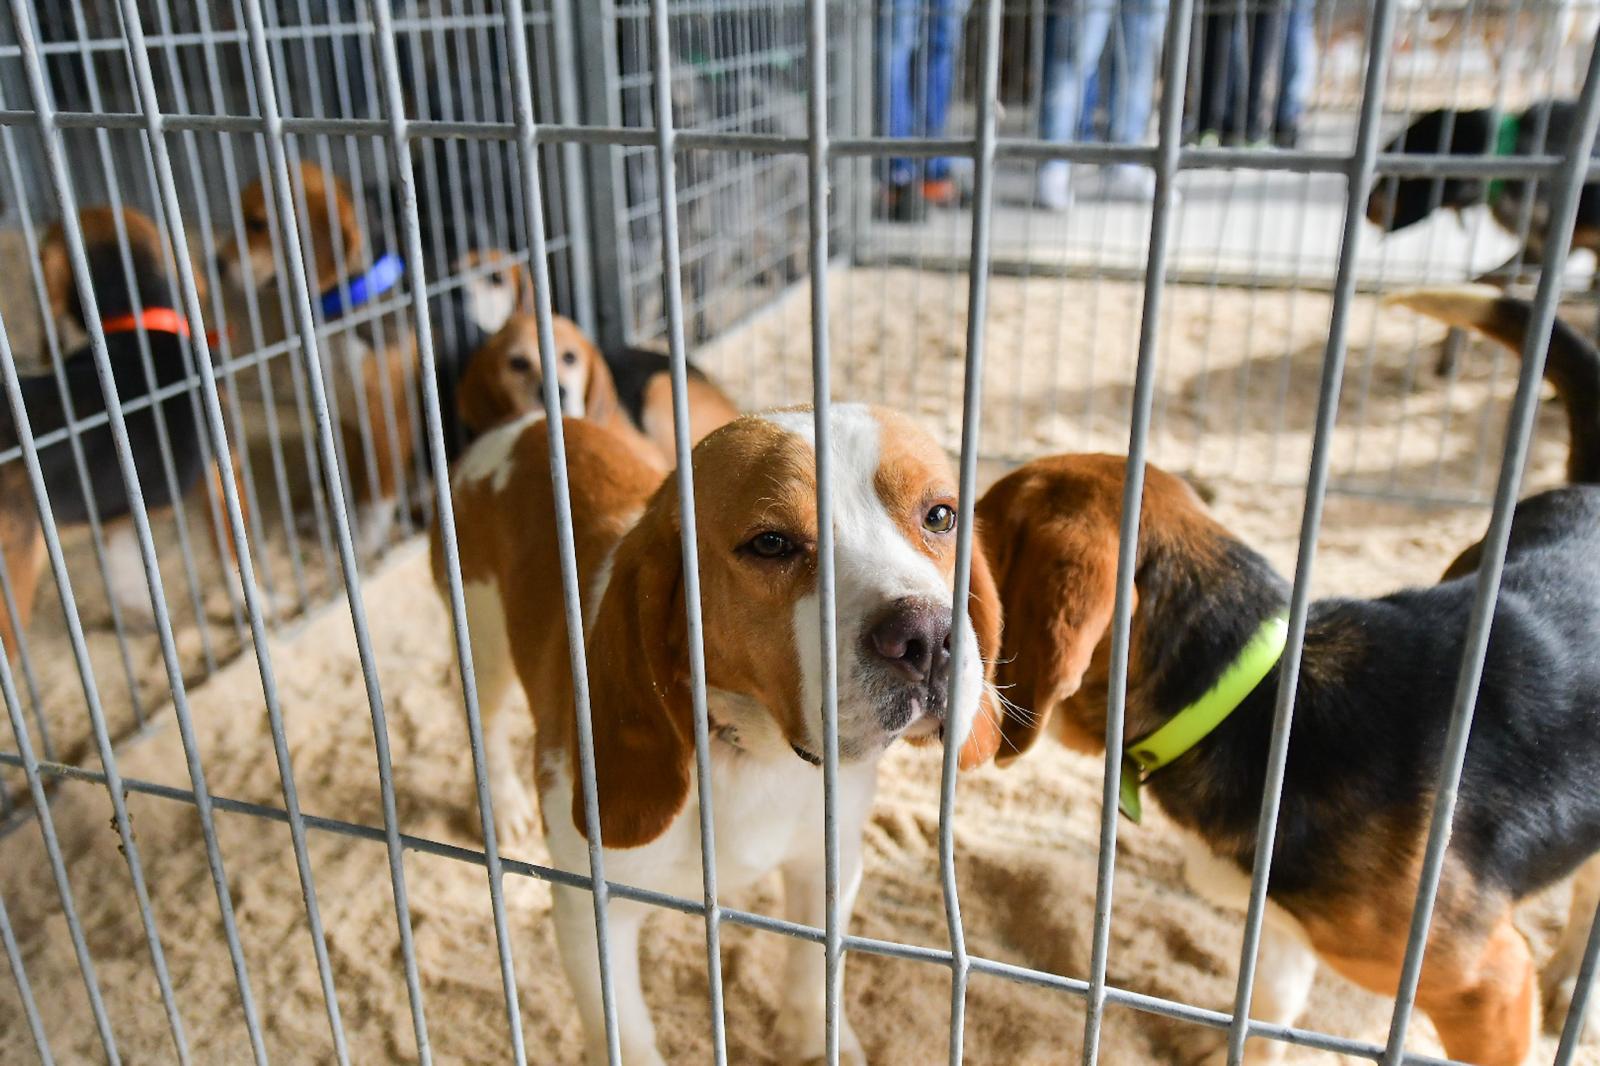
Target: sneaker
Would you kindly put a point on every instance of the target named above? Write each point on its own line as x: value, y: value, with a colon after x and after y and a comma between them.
x: 1055, y: 185
x: 901, y: 203
x: 940, y: 192
x: 1124, y: 181
x: 1210, y: 139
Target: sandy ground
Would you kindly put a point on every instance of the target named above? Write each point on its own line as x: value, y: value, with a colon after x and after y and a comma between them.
x: 1025, y: 836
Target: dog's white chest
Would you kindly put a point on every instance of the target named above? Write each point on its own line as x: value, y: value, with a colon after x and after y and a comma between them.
x: 766, y: 813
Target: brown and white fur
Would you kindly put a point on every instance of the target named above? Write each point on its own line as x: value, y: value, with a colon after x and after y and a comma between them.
x: 363, y: 376
x: 505, y: 380
x: 755, y: 493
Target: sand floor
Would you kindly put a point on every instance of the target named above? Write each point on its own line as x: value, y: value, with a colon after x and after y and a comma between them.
x: 1025, y: 836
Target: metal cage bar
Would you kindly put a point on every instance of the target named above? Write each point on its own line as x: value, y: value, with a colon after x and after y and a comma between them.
x: 533, y: 208
x: 1175, y: 67
x: 1359, y: 181
x: 401, y: 148
x: 817, y: 134
x: 283, y: 197
x: 960, y: 623
x: 672, y: 286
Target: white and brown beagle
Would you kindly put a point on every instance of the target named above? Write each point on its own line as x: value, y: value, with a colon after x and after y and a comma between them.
x: 504, y: 380
x: 894, y: 528
x: 373, y: 369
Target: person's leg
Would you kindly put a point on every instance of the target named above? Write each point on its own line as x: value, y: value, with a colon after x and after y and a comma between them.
x: 1294, y: 76
x: 1091, y: 102
x: 1213, y: 92
x: 904, y: 21
x: 1137, y: 52
x: 945, y: 20
x: 1266, y: 44
x: 1133, y: 79
x: 1073, y: 42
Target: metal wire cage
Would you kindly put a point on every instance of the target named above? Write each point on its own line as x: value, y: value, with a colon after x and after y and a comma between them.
x: 707, y: 174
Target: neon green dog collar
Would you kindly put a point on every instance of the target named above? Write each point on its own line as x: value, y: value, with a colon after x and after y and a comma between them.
x: 1505, y: 144
x: 1196, y: 722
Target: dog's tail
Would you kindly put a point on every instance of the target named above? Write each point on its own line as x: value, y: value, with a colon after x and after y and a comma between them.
x: 1572, y: 365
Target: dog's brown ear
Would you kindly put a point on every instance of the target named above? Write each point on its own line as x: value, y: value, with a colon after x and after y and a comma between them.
x: 600, y: 402
x: 57, y: 271
x: 1056, y: 570
x: 522, y: 279
x: 330, y: 220
x: 639, y: 687
x: 983, y: 608
x: 481, y: 395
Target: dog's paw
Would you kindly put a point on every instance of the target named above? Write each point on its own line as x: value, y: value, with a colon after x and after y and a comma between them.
x: 1214, y: 1052
x: 516, y: 816
x: 1557, y: 995
x: 646, y: 1055
x: 802, y: 1038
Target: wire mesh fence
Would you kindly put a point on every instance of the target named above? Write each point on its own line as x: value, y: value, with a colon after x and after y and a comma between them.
x: 257, y: 244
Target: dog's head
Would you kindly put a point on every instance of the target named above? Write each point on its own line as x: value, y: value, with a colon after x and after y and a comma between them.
x: 1051, y: 530
x: 894, y: 554
x: 326, y: 224
x: 114, y: 289
x: 1398, y: 202
x: 497, y: 286
x: 504, y: 379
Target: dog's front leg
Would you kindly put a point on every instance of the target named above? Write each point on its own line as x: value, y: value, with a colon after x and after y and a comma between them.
x: 802, y: 1018
x: 580, y: 957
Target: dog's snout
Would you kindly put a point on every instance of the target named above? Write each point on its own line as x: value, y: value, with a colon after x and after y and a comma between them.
x: 561, y: 396
x: 913, y: 637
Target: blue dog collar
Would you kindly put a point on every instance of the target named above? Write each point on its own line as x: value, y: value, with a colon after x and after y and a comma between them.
x: 384, y: 275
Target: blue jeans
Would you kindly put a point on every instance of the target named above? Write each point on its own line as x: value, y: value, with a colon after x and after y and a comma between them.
x: 1294, y: 85
x: 917, y: 82
x: 1073, y: 44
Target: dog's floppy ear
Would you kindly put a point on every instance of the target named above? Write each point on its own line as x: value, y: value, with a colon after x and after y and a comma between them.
x: 1056, y: 575
x: 57, y: 271
x: 639, y: 687
x: 600, y: 402
x: 983, y: 609
x: 481, y: 399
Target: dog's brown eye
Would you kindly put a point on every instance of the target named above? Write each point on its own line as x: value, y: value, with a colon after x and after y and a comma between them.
x: 940, y: 519
x: 520, y: 363
x: 770, y: 545
x: 569, y: 358
x: 497, y: 278
x: 256, y: 225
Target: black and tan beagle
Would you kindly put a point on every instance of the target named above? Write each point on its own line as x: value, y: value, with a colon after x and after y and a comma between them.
x: 1373, y: 705
x: 127, y: 306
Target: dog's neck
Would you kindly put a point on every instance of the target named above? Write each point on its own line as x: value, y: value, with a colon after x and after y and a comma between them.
x: 1195, y: 616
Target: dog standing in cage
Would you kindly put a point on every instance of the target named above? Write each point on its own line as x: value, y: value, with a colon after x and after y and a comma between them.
x: 757, y: 534
x: 1374, y: 701
x: 371, y: 364
x: 127, y: 305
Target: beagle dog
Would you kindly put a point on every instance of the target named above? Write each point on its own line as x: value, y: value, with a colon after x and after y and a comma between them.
x: 894, y: 556
x: 167, y: 332
x: 372, y: 370
x: 1374, y: 702
x: 504, y: 380
x: 1397, y: 203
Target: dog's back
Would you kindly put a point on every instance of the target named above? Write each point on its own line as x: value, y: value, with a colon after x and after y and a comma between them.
x: 115, y: 294
x: 1544, y: 655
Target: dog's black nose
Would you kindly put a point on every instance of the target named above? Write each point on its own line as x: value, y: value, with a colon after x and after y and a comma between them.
x: 561, y: 396
x: 913, y: 636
